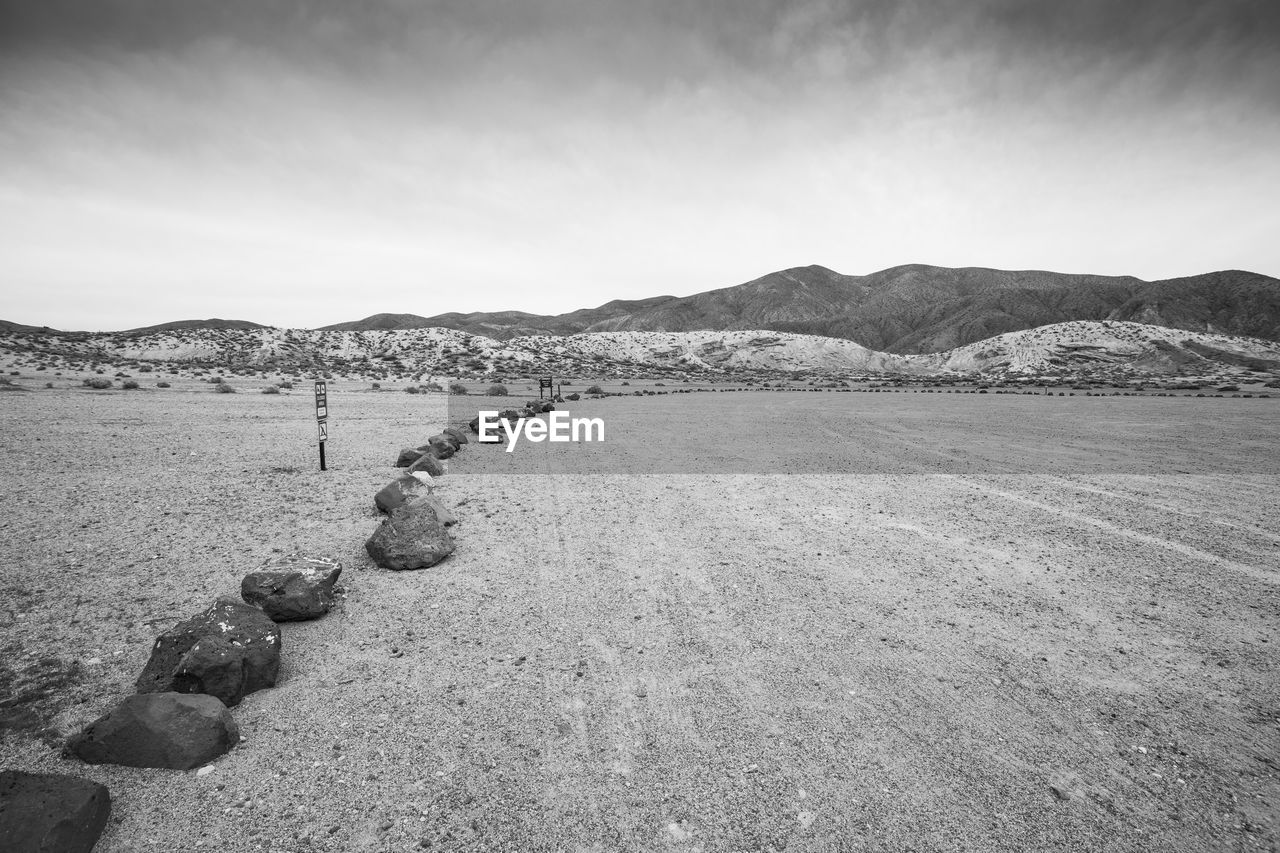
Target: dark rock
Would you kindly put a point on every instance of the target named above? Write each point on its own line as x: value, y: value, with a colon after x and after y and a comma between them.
x: 214, y: 667
x: 294, y: 587
x: 398, y: 491
x: 405, y: 489
x: 574, y: 397
x: 413, y: 536
x: 428, y: 464
x: 48, y: 813
x: 250, y: 637
x: 511, y: 415
x: 548, y: 407
x: 408, y: 456
x: 456, y: 434
x: 446, y: 438
x: 442, y: 447
x: 175, y: 730
x: 474, y: 425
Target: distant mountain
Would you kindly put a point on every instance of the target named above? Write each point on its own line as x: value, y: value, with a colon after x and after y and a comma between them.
x: 7, y: 326
x: 907, y: 309
x: 186, y: 325
x: 379, y: 322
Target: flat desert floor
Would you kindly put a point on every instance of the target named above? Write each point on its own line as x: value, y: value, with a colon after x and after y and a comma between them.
x: 744, y: 622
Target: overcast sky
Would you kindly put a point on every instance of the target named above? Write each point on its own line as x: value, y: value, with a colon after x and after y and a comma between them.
x: 303, y: 163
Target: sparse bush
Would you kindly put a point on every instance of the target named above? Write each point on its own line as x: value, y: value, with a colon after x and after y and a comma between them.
x: 377, y: 386
x: 271, y: 389
x: 98, y: 382
x: 457, y: 388
x: 626, y: 383
x: 596, y: 389
x: 48, y: 384
x: 224, y: 388
x: 433, y: 386
x: 288, y: 386
x: 216, y: 380
x: 162, y: 384
x: 497, y: 391
x: 1229, y: 388
x: 129, y: 385
x: 412, y: 389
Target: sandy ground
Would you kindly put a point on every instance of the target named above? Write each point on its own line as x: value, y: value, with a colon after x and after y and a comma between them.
x: 811, y: 622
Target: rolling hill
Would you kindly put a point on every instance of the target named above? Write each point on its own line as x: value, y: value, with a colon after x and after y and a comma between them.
x: 1077, y: 349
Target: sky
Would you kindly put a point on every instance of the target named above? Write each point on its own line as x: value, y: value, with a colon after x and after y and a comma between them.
x: 303, y: 163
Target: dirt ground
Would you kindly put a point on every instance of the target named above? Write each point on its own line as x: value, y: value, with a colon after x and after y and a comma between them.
x: 745, y: 622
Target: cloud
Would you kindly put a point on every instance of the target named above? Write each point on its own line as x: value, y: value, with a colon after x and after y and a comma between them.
x: 228, y: 157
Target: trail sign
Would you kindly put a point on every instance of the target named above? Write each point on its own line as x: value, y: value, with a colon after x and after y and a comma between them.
x: 322, y: 416
x: 544, y: 384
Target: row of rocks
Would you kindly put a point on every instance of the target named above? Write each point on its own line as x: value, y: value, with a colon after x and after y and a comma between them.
x: 415, y: 534
x: 205, y: 665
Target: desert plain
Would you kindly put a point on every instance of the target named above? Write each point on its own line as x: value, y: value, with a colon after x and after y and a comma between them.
x: 745, y: 621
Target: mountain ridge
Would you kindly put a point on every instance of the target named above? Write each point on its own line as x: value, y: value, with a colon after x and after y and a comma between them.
x: 906, y: 309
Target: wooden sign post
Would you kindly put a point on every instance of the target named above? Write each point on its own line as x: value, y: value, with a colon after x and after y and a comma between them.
x: 322, y: 416
x: 545, y: 383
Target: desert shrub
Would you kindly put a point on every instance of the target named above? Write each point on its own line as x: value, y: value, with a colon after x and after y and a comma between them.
x: 626, y: 383
x: 224, y: 388
x: 98, y: 382
x: 457, y: 388
x: 288, y: 386
x: 433, y: 386
x: 216, y: 380
x: 162, y: 384
x: 48, y: 384
x: 377, y: 386
x: 271, y: 389
x: 595, y: 389
x: 1229, y: 388
x: 497, y: 391
x: 129, y: 384
x: 412, y: 389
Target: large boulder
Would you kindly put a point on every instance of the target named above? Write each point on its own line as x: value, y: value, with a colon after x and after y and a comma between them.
x: 408, y: 456
x: 48, y: 813
x: 457, y: 434
x: 413, y: 536
x: 175, y: 730
x: 229, y: 651
x: 428, y: 464
x: 574, y: 397
x: 293, y: 587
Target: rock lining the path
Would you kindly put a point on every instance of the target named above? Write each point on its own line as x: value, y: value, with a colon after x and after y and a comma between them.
x: 174, y: 730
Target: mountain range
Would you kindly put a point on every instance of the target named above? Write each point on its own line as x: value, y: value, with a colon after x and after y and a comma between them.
x: 905, y: 310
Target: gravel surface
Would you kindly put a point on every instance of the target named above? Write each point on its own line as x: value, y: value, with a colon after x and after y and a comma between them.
x: 932, y: 623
